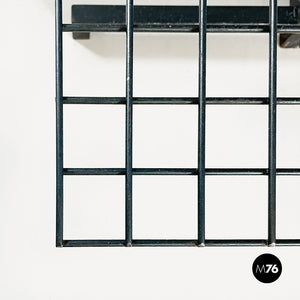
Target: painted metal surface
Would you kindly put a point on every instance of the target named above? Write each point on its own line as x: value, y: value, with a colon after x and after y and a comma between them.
x: 201, y: 19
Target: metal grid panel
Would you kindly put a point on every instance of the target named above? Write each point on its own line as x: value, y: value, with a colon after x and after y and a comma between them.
x: 202, y: 26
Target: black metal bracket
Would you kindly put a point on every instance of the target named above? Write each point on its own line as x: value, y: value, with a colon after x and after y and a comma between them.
x: 291, y: 40
x: 97, y: 18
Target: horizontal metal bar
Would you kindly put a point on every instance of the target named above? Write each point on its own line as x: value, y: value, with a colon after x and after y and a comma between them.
x: 93, y: 243
x: 230, y: 243
x: 288, y: 242
x: 122, y: 171
x: 165, y: 243
x: 122, y: 243
x: 177, y: 100
x: 288, y: 29
x: 191, y: 243
x: 217, y: 28
x: 179, y: 243
x: 162, y: 243
x: 177, y: 171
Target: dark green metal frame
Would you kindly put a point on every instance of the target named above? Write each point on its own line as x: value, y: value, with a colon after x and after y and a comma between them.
x: 201, y: 19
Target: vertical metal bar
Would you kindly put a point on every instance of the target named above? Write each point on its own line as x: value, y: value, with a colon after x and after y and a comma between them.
x: 129, y: 96
x: 59, y: 124
x: 272, y: 123
x: 201, y: 121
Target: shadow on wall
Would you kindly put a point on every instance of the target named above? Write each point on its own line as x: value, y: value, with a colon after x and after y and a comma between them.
x: 179, y: 45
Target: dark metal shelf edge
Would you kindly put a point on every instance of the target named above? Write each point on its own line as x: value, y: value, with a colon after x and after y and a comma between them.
x: 115, y: 14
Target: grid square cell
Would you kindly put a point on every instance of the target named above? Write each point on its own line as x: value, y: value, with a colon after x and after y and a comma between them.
x: 84, y: 73
x: 237, y: 136
x: 94, y: 136
x: 288, y: 137
x: 165, y: 207
x: 174, y: 57
x: 165, y: 136
x: 94, y: 207
x: 237, y: 65
x: 236, y: 207
x: 288, y: 207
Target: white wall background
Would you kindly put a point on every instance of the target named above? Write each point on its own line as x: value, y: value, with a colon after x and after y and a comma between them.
x: 165, y: 65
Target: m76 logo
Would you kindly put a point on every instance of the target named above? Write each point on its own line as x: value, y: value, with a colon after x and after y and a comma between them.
x: 267, y: 269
